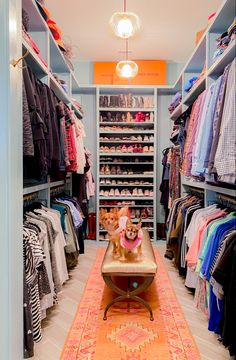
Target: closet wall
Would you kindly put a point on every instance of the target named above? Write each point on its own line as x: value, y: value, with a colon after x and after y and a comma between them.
x: 11, y: 267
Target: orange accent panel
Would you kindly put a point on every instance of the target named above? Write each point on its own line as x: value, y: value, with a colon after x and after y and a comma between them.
x: 151, y: 72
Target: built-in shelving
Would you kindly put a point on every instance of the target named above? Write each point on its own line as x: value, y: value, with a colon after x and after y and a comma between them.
x: 55, y: 62
x: 224, y: 59
x: 122, y: 129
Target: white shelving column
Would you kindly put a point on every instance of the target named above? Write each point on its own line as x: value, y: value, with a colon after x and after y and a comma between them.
x: 115, y: 131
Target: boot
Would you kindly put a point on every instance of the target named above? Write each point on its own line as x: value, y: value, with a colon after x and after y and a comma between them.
x: 90, y: 226
x: 94, y: 227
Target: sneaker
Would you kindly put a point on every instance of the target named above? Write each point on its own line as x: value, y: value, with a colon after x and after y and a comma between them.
x: 146, y: 138
x: 101, y: 192
x: 135, y: 192
x: 102, y: 181
x: 147, y: 192
x: 113, y: 181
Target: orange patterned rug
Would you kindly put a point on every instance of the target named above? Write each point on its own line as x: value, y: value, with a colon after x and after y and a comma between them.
x: 129, y: 335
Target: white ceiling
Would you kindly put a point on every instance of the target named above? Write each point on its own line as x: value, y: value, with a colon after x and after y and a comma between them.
x: 168, y: 27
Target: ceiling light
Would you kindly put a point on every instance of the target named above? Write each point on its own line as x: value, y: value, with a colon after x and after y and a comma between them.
x: 125, y: 24
x: 126, y: 69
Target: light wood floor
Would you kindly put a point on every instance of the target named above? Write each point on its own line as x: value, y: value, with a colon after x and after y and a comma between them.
x: 59, y: 320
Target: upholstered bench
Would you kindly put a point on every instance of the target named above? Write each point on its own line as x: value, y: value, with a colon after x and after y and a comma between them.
x: 127, y: 272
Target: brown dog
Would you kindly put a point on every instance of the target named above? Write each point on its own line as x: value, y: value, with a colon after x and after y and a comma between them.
x: 114, y: 222
x: 131, y: 239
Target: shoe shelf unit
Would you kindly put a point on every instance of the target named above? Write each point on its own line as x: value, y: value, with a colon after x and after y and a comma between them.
x: 49, y: 65
x: 204, y: 57
x: 126, y: 128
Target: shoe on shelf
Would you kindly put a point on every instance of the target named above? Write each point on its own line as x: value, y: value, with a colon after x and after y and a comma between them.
x: 113, y: 170
x: 128, y: 193
x: 123, y: 192
x: 147, y: 117
x: 140, y: 138
x: 124, y: 172
x: 102, y: 181
x: 145, y: 149
x: 102, y: 170
x: 151, y: 149
x: 101, y: 192
x: 130, y: 149
x: 140, y: 192
x: 137, y: 213
x: 144, y: 214
x: 119, y: 182
x: 146, y: 192
x: 151, y: 117
x: 132, y: 213
x: 135, y: 192
x: 134, y: 138
x: 117, y: 192
x: 113, y: 181
x: 112, y: 192
x: 151, y: 193
x: 112, y: 149
x: 106, y: 193
x: 151, y: 138
x: 124, y: 149
x: 140, y: 149
x: 146, y: 138
x: 118, y: 170
x: 107, y: 170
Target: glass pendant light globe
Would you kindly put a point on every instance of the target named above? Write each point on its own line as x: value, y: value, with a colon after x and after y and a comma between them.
x: 125, y: 24
x: 126, y: 69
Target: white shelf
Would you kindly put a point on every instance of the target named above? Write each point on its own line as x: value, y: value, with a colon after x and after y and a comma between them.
x: 121, y: 131
x: 127, y: 176
x: 126, y: 154
x: 128, y: 198
x: 221, y: 190
x: 205, y: 186
x: 192, y: 183
x: 125, y: 185
x: 118, y: 109
x: 125, y: 142
x: 195, y: 91
x: 224, y: 59
x: 126, y: 163
x: 130, y: 206
x: 133, y: 123
x: 33, y: 60
x: 177, y: 112
x: 40, y: 187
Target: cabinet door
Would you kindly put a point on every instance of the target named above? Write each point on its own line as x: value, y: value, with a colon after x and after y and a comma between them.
x: 11, y: 258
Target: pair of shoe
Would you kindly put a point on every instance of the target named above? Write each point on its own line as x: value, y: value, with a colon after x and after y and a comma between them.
x: 105, y: 170
x: 148, y: 193
x: 148, y: 149
x: 148, y: 138
x: 111, y: 192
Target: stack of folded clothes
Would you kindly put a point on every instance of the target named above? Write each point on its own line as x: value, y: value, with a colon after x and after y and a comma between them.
x: 225, y: 39
x: 176, y: 100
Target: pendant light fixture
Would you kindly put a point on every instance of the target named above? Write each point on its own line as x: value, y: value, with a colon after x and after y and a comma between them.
x: 126, y: 68
x: 125, y: 24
